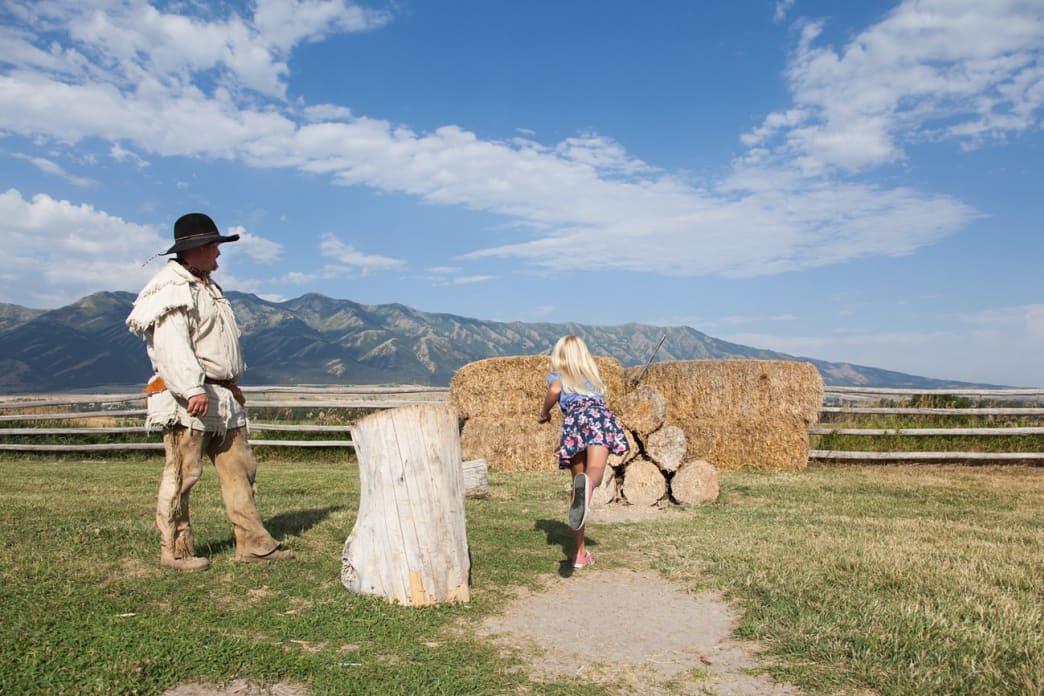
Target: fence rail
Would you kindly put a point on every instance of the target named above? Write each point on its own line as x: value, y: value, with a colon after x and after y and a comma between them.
x: 851, y: 397
x: 21, y: 409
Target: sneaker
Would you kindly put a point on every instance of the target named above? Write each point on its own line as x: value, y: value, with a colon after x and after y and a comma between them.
x: 578, y: 504
x: 582, y: 561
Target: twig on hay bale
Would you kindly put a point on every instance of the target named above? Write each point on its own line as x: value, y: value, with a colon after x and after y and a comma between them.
x: 696, y: 481
x: 642, y: 410
x: 666, y: 447
x: 742, y: 413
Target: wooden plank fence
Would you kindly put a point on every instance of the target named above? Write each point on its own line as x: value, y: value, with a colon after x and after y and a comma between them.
x: 22, y: 409
x: 26, y: 408
x: 847, y: 400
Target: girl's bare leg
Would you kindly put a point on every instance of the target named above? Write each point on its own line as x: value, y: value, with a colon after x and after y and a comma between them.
x: 576, y: 466
x: 592, y: 461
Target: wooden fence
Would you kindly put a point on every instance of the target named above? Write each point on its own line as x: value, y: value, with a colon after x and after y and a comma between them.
x: 311, y: 402
x: 68, y: 407
x: 853, y: 401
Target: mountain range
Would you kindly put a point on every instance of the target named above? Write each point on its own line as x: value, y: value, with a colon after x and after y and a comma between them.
x: 315, y: 339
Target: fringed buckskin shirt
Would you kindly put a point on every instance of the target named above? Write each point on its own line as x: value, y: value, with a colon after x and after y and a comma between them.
x: 191, y: 335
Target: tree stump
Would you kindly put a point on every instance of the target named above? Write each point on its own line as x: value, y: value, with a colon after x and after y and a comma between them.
x: 409, y: 543
x: 696, y: 481
x: 642, y: 410
x: 476, y: 478
x: 643, y: 483
x: 666, y: 447
x: 606, y: 492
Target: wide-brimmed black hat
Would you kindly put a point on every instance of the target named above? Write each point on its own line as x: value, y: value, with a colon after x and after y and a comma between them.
x: 195, y: 230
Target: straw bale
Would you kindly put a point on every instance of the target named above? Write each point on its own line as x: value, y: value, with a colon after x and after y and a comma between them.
x: 696, y: 481
x: 632, y: 451
x: 666, y: 447
x: 742, y: 413
x: 643, y: 484
x: 642, y: 410
x: 515, y: 386
x: 735, y: 443
x: 738, y: 388
x: 512, y: 444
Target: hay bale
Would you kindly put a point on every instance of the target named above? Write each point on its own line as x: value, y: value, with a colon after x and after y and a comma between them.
x: 742, y: 413
x: 512, y: 444
x: 776, y: 445
x: 643, y: 483
x: 642, y: 410
x: 666, y: 447
x: 696, y: 481
x: 515, y: 386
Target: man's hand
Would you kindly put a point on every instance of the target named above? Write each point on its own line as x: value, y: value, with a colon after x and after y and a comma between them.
x: 197, y: 405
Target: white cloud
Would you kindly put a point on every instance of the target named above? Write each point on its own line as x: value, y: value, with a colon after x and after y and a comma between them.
x: 348, y: 255
x: 469, y: 280
x: 56, y: 251
x: 257, y: 248
x: 122, y: 154
x: 152, y: 78
x: 930, y: 70
x: 49, y: 167
x: 782, y: 6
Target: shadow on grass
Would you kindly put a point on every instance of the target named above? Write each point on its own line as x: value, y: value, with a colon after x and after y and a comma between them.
x: 559, y: 534
x: 280, y: 526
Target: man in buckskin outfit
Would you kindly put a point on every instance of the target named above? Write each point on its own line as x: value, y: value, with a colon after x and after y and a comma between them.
x: 193, y: 342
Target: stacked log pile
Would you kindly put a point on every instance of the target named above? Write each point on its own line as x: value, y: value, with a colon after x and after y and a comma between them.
x: 686, y: 421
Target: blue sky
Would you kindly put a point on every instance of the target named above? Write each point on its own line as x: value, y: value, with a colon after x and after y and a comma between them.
x: 859, y: 182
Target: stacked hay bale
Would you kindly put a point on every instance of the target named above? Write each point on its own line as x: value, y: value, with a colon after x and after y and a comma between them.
x: 741, y: 413
x: 498, y: 400
x: 684, y: 422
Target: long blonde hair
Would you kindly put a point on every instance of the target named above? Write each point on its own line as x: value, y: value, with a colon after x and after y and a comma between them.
x: 571, y: 359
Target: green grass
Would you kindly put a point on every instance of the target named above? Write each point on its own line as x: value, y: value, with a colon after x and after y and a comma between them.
x: 893, y: 580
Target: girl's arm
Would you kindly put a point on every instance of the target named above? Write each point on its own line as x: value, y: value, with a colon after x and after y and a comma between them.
x: 550, y: 399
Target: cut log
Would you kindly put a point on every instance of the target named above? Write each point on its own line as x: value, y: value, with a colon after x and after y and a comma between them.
x: 696, y: 481
x: 642, y: 410
x: 602, y: 496
x: 643, y: 483
x: 409, y: 543
x: 666, y: 447
x: 476, y: 482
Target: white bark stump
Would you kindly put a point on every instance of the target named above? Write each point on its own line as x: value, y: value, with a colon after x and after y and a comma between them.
x: 476, y: 478
x: 666, y: 447
x: 695, y: 482
x: 643, y: 483
x: 409, y: 543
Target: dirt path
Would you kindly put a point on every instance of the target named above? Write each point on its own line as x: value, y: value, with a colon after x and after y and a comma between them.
x: 640, y: 634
